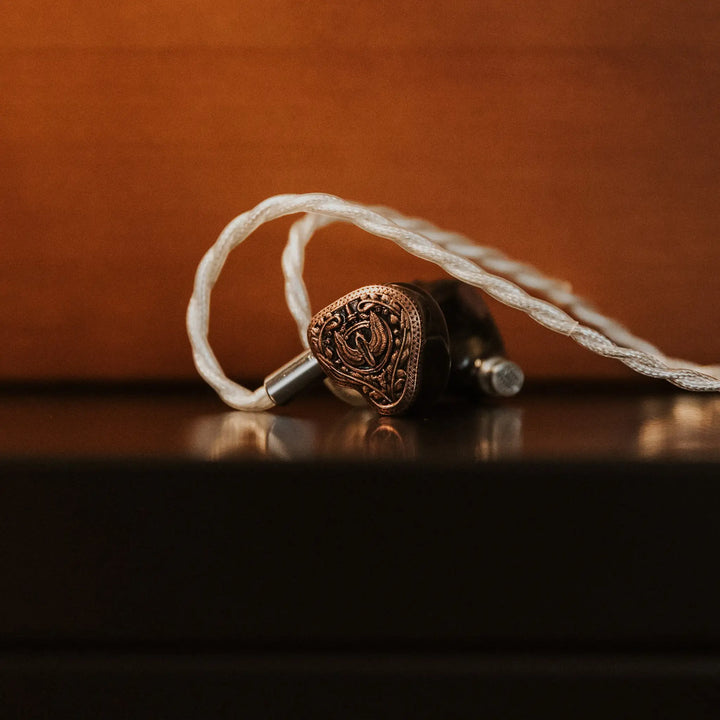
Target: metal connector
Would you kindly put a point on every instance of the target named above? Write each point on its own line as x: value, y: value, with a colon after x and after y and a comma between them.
x: 291, y: 378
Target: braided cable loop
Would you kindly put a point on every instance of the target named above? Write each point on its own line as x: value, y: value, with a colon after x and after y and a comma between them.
x: 450, y: 251
x: 611, y: 339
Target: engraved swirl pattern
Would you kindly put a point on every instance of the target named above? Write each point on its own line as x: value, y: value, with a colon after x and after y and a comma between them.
x: 369, y: 340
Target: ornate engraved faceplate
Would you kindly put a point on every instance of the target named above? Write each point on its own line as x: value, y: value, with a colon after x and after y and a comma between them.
x: 370, y: 340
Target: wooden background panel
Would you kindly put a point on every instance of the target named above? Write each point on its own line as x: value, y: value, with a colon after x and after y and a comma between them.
x: 370, y: 23
x: 581, y: 137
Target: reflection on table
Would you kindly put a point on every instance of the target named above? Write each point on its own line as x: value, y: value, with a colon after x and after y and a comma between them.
x: 556, y: 423
x: 491, y: 434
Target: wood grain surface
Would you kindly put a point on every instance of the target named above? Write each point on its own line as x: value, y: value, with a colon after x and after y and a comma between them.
x: 580, y: 136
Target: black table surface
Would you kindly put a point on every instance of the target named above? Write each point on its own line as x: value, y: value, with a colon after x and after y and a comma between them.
x: 565, y: 422
x: 554, y: 553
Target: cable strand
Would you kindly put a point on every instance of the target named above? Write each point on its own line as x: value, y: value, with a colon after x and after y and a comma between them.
x: 508, y: 281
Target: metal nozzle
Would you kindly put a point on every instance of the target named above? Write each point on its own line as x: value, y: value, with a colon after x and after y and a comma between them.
x: 499, y: 376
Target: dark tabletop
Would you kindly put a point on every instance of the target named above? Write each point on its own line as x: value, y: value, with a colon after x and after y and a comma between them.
x: 554, y: 553
x: 561, y: 422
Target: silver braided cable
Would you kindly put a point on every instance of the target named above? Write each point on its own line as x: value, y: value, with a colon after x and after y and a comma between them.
x: 412, y: 235
x: 527, y: 277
